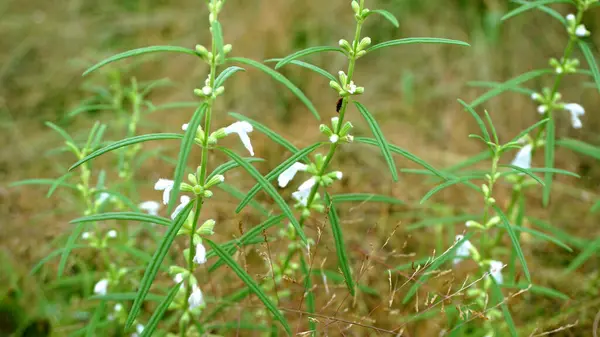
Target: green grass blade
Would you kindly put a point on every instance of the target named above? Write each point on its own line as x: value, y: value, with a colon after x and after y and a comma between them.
x: 51, y: 182
x: 416, y: 40
x: 274, y: 136
x: 125, y: 216
x: 432, y: 221
x: 126, y: 142
x: 554, y: 170
x: 515, y: 241
x: 478, y: 119
x: 562, y: 235
x: 492, y: 85
x: 139, y: 51
x: 580, y: 147
x: 542, y: 236
x: 590, y: 250
x: 529, y: 129
x: 546, y: 10
x: 365, y: 197
x: 509, y: 84
x: 269, y: 189
x: 251, y: 284
x: 381, y: 142
x: 404, y: 153
x: 308, y: 293
x: 225, y: 74
x: 69, y: 246
x: 275, y: 172
x: 120, y: 297
x: 306, y: 52
x: 531, y: 5
x: 157, y: 259
x: 445, y: 185
x: 246, y: 238
x: 309, y: 66
x: 160, y: 311
x: 589, y: 57
x: 525, y: 171
x: 340, y: 246
x: 387, y: 15
x: 221, y: 169
x: 548, y: 160
x: 184, y: 152
x: 61, y: 132
x: 535, y: 289
x: 217, y: 34
x: 50, y: 256
x: 281, y: 79
x: 499, y: 298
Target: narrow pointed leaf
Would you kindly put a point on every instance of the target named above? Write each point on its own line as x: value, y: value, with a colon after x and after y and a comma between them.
x: 478, y: 119
x: 60, y: 131
x: 546, y: 10
x: 531, y: 5
x: 306, y: 52
x: 340, y: 246
x: 125, y: 216
x: 184, y: 152
x: 139, y: 51
x: 525, y: 171
x: 529, y: 129
x: 589, y: 57
x: 492, y: 85
x: 281, y: 79
x: 236, y: 193
x: 365, y: 197
x: 69, y: 246
x: 274, y: 136
x: 515, y: 241
x: 126, y: 142
x: 387, y: 15
x: 542, y: 236
x: 251, y: 284
x: 160, y: 311
x: 269, y: 189
x: 50, y: 182
x: 548, y: 160
x: 221, y: 169
x: 298, y: 156
x: 509, y: 84
x: 580, y: 147
x: 157, y: 259
x: 309, y: 294
x: 52, y: 255
x: 225, y: 74
x: 499, y: 298
x: 590, y: 250
x: 416, y: 40
x: 445, y: 185
x: 381, y: 142
x: 307, y: 65
x: 217, y: 34
x: 535, y: 289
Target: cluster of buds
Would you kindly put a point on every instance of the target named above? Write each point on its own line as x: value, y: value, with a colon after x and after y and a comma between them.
x: 360, y: 14
x: 208, y: 56
x: 201, y: 190
x: 214, y: 7
x: 585, y: 4
x: 493, y: 221
x: 344, y: 88
x: 568, y: 66
x: 96, y: 242
x: 357, y: 49
x: 207, y: 91
x: 548, y: 102
x: 575, y: 28
x: 337, y: 134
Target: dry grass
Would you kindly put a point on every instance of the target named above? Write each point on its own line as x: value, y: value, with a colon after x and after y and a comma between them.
x: 412, y: 91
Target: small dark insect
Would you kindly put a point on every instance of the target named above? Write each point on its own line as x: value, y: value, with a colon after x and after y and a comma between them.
x: 338, y: 105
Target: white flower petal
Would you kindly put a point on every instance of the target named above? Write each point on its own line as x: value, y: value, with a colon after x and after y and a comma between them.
x: 196, y: 298
x: 576, y: 111
x: 101, y: 287
x: 301, y: 196
x: 242, y: 129
x: 581, y: 31
x: 463, y: 251
x: 184, y: 200
x: 496, y: 271
x: 200, y: 257
x: 307, y: 185
x: 334, y: 138
x: 112, y: 234
x: 184, y: 127
x: 151, y: 207
x: 523, y: 157
x: 166, y: 186
x: 85, y: 235
x: 339, y: 175
x: 286, y: 176
x: 178, y: 278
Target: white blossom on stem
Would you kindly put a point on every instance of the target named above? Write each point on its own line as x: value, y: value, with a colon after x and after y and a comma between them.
x: 151, y: 207
x: 576, y: 111
x: 286, y: 176
x: 183, y: 201
x: 166, y: 186
x: 101, y: 287
x: 463, y: 251
x: 112, y: 234
x: 303, y: 192
x: 242, y: 129
x: 496, y: 271
x: 138, y: 330
x: 200, y: 257
x: 196, y: 298
x: 523, y: 157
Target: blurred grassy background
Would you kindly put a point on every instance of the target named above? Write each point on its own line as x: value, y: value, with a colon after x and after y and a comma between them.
x: 412, y: 90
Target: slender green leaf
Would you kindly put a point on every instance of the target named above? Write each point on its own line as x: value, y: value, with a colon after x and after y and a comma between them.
x: 543, y: 236
x: 126, y: 142
x: 416, y: 40
x: 217, y: 33
x: 387, y: 15
x: 478, y: 119
x: 120, y: 297
x: 499, y: 298
x: 50, y: 182
x: 531, y: 5
x: 234, y: 298
x: 160, y: 311
x: 433, y: 221
x: 445, y: 185
x: 69, y: 246
x: 52, y: 255
x: 580, y: 147
x: 554, y: 170
x: 525, y: 171
x: 589, y: 57
x: 184, y: 152
x: 281, y: 79
x: 470, y: 161
x: 251, y: 284
x: 306, y: 52
x: 275, y: 172
x: 548, y: 160
x: 515, y: 241
x: 268, y: 132
x: 562, y: 235
x: 269, y: 189
x: 139, y: 51
x: 404, y: 153
x: 93, y: 323
x: 546, y: 10
x: 492, y: 85
x: 340, y: 245
x: 535, y: 289
x: 509, y: 84
x: 590, y: 249
x: 307, y: 65
x: 60, y: 131
x: 157, y: 260
x: 365, y: 197
x: 225, y: 74
x: 86, y: 108
x: 308, y: 293
x: 381, y: 142
x: 126, y: 216
x: 221, y: 169
x: 529, y: 129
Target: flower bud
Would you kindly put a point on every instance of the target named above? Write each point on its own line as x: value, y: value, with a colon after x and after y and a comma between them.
x: 325, y: 130
x: 335, y: 86
x: 219, y: 90
x: 207, y: 228
x: 364, y: 43
x: 361, y: 53
x: 200, y: 49
x: 217, y: 179
x: 346, y: 128
x: 335, y: 121
x: 355, y: 7
x: 227, y: 48
x: 208, y: 194
x: 192, y: 179
x: 343, y: 78
x: 345, y: 45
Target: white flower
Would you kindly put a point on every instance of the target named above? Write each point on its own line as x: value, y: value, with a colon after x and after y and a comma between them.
x: 576, y: 111
x: 334, y: 138
x: 496, y: 270
x: 207, y: 90
x: 351, y: 87
x: 581, y: 31
x: 184, y: 127
x: 571, y: 17
x: 286, y: 176
x: 339, y: 175
x: 178, y: 278
x: 463, y: 251
x: 196, y: 298
x: 536, y: 97
x: 151, y: 207
x: 85, y: 235
x: 112, y: 234
x: 101, y: 287
x: 118, y: 307
x: 523, y: 157
x: 102, y: 197
x: 138, y: 330
x: 542, y: 109
x: 184, y: 200
x: 200, y: 257
x: 166, y: 186
x: 242, y: 129
x: 303, y: 192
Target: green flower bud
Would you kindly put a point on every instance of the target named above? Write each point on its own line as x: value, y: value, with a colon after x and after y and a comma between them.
x: 217, y: 179
x: 185, y: 187
x: 200, y: 49
x: 192, y: 179
x: 197, y: 189
x: 343, y: 78
x: 486, y: 190
x: 336, y: 86
x: 335, y: 121
x: 208, y: 194
x: 219, y: 91
x: 364, y: 43
x: 345, y: 45
x: 361, y: 53
x: 227, y: 48
x: 325, y: 130
x: 356, y: 7
x: 346, y: 128
x: 207, y: 228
